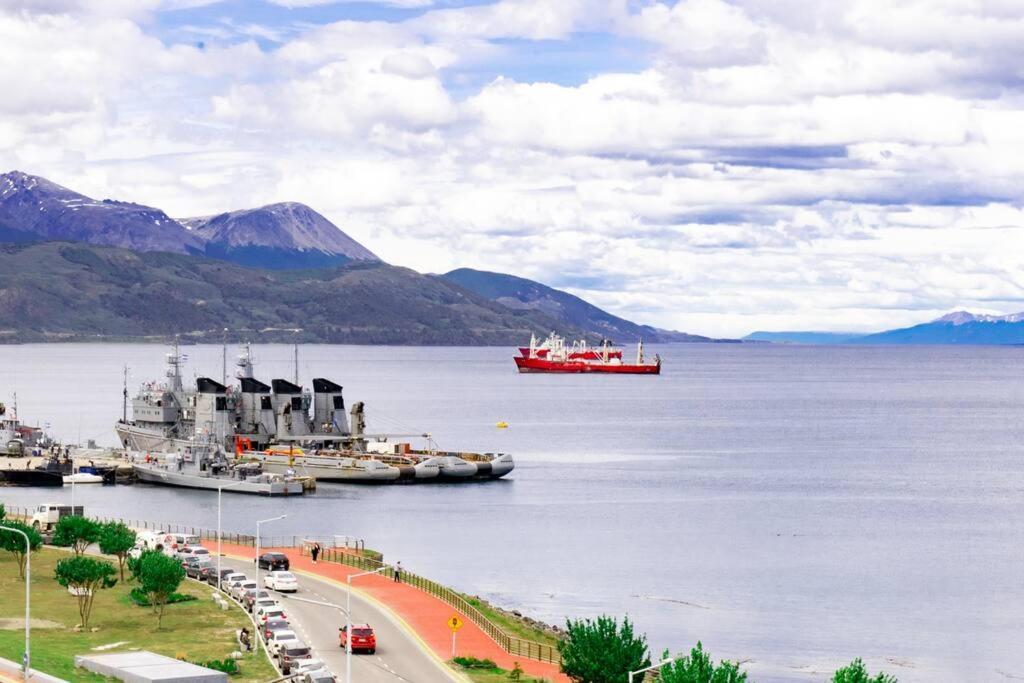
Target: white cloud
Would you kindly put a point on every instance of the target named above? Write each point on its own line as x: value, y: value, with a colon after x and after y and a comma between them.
x: 772, y: 165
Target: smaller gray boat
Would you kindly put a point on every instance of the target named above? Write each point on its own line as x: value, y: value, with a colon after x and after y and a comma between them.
x: 201, y: 466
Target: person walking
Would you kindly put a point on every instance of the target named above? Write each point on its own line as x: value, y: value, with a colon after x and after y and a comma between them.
x: 315, y: 552
x: 398, y: 572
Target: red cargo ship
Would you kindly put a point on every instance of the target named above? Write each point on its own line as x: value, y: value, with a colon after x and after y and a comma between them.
x: 553, y: 356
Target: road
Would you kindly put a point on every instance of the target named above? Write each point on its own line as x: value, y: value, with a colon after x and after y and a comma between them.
x: 399, y: 657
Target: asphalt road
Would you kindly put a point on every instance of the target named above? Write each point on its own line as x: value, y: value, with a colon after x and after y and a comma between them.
x: 399, y: 655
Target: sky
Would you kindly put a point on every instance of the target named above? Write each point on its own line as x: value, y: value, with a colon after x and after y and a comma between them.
x: 708, y: 166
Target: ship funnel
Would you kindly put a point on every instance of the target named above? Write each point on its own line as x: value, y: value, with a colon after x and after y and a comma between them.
x: 328, y: 408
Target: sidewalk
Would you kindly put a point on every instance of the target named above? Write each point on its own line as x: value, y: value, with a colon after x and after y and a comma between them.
x: 426, y: 615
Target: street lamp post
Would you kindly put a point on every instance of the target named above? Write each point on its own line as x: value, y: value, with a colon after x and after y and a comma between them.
x: 219, y: 490
x: 653, y: 666
x: 348, y: 621
x: 255, y: 628
x: 28, y: 595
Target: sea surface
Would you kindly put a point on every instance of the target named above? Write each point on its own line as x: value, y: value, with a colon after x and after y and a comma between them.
x: 791, y: 507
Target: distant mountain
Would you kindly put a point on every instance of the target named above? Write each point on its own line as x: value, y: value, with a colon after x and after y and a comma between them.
x: 277, y: 236
x: 35, y: 208
x: 520, y: 293
x: 960, y: 327
x: 60, y: 291
x: 802, y: 337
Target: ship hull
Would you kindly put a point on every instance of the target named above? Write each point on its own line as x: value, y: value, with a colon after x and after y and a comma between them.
x: 341, y: 470
x: 527, y: 365
x: 154, y: 474
x: 32, y: 478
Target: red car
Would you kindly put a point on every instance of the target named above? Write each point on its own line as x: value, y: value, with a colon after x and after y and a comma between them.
x: 363, y: 638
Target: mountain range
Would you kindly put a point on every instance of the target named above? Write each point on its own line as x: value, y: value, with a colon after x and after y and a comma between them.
x: 73, y: 267
x: 959, y: 327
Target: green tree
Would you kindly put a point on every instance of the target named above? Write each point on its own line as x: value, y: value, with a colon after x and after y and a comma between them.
x: 3, y: 511
x: 856, y: 672
x: 76, y: 532
x: 159, y: 576
x: 117, y: 539
x: 697, y: 667
x: 85, y: 576
x: 600, y: 651
x: 15, y: 543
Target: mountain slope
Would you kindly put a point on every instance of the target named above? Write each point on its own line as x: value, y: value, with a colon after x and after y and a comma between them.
x: 286, y: 235
x: 94, y: 292
x: 520, y: 293
x: 34, y: 205
x: 803, y: 337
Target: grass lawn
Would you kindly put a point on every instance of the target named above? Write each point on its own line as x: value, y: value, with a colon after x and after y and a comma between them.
x: 511, y: 625
x: 196, y: 630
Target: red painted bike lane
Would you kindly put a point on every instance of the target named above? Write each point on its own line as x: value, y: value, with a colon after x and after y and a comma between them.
x: 426, y: 615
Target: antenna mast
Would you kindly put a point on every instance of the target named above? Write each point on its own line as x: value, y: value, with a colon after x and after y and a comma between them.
x: 296, y: 365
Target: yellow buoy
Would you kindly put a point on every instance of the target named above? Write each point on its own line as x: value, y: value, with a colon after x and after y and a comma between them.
x: 502, y: 425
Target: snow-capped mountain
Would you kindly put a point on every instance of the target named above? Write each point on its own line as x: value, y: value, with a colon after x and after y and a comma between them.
x: 33, y: 208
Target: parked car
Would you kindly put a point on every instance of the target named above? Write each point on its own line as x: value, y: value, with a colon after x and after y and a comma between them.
x: 363, y: 638
x: 252, y: 597
x: 211, y: 578
x: 264, y: 602
x: 285, y: 582
x: 272, y: 625
x: 274, y: 561
x: 192, y: 551
x: 288, y: 652
x: 277, y: 639
x: 199, y: 569
x: 239, y: 588
x: 321, y: 676
x: 307, y: 665
x: 266, y: 613
x: 231, y: 580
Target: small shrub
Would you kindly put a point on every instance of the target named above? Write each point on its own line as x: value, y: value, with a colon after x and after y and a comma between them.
x: 142, y: 600
x: 516, y: 673
x: 856, y: 672
x: 474, y: 663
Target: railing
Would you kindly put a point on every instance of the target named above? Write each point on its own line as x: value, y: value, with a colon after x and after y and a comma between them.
x: 514, y: 645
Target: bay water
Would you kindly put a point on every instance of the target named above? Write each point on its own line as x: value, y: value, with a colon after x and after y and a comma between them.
x: 792, y: 507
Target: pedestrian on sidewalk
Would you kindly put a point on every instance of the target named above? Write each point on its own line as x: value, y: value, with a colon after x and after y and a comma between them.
x: 398, y: 572
x: 315, y: 551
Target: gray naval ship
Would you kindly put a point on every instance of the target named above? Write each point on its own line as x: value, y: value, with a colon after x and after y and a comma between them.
x: 272, y: 425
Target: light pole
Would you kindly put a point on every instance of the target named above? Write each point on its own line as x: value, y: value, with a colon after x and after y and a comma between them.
x: 653, y: 666
x: 28, y: 596
x: 348, y: 621
x: 219, y: 490
x: 255, y: 628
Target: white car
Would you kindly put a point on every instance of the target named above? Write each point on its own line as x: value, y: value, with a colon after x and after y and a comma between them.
x: 264, y: 603
x: 277, y: 638
x: 275, y: 612
x: 284, y: 582
x: 193, y: 551
x: 303, y: 665
x: 232, y: 580
x: 238, y: 589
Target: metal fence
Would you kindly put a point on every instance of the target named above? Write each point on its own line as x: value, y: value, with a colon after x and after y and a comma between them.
x: 514, y: 645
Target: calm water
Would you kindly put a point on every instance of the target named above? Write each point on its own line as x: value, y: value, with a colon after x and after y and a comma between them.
x: 794, y: 507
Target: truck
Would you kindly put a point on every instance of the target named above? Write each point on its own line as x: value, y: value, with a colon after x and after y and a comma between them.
x: 45, y: 517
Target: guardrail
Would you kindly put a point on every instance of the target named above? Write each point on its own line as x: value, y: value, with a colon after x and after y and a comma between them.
x: 514, y: 645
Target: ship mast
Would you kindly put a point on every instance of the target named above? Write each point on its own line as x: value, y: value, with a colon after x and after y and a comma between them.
x: 174, y: 369
x: 124, y: 397
x: 296, y: 364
